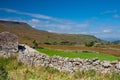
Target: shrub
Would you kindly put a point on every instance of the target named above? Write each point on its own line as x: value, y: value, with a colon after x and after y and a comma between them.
x: 48, y: 43
x: 35, y: 43
x: 90, y: 44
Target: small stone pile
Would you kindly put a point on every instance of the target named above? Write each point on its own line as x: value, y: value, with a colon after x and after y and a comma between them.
x: 67, y: 64
x: 8, y: 44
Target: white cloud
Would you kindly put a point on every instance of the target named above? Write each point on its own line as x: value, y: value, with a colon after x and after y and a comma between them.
x: 57, y: 27
x: 48, y: 19
x: 102, y: 32
x: 116, y: 16
x: 28, y: 14
x: 107, y: 31
x: 35, y: 20
x: 50, y: 31
x: 9, y: 10
x: 53, y: 24
x: 95, y: 33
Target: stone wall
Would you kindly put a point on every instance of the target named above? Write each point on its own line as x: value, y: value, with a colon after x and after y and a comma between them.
x: 37, y: 59
x: 8, y: 44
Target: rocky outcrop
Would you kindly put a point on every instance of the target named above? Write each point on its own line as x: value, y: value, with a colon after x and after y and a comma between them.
x: 8, y: 44
x: 33, y: 58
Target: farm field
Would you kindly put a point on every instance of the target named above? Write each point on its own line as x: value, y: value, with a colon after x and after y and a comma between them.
x: 83, y: 55
x: 107, y: 49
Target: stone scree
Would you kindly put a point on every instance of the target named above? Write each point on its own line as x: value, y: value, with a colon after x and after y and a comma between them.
x: 32, y: 57
x: 8, y: 44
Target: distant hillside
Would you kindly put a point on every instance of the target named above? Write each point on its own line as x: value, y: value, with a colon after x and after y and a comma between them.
x: 27, y: 34
x: 116, y: 42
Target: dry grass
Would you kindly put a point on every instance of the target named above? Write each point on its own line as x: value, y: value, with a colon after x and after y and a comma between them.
x: 42, y: 73
x: 18, y: 71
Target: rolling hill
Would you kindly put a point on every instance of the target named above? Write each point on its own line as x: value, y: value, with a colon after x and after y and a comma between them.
x: 27, y: 34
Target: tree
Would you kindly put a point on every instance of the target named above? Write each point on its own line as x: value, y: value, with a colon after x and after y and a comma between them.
x: 48, y: 43
x: 90, y: 44
x: 35, y: 43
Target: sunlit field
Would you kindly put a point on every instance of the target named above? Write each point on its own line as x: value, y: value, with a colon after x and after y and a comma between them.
x: 83, y: 55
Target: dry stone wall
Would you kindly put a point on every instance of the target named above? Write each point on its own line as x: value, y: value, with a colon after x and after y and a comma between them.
x: 37, y: 59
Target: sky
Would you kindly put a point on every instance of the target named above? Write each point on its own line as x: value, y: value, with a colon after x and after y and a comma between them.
x: 100, y: 18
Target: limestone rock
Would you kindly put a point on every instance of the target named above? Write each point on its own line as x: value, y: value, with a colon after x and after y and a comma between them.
x: 8, y: 44
x: 106, y: 64
x: 118, y: 65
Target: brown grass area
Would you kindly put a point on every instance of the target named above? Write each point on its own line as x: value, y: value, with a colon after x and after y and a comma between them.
x: 115, y: 46
x: 109, y: 49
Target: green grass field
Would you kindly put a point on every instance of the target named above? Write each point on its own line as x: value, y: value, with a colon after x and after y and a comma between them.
x: 83, y: 55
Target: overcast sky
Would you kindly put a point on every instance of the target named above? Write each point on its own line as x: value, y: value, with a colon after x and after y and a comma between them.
x: 96, y: 17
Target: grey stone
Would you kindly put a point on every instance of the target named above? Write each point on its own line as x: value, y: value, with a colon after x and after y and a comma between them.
x: 95, y: 59
x: 8, y: 44
x: 95, y: 63
x: 118, y: 65
x: 106, y: 64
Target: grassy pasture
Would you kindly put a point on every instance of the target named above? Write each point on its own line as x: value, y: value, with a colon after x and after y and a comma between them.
x: 107, y: 49
x: 83, y: 55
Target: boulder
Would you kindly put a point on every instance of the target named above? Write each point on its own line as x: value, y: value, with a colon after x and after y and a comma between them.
x: 8, y: 44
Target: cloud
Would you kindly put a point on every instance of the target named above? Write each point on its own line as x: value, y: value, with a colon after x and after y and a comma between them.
x: 116, y: 16
x: 49, y: 18
x: 102, y: 32
x: 35, y: 20
x: 109, y: 12
x: 28, y: 14
x: 40, y: 16
x: 107, y: 31
x: 113, y: 12
x: 52, y: 24
x: 9, y: 10
x: 61, y: 28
